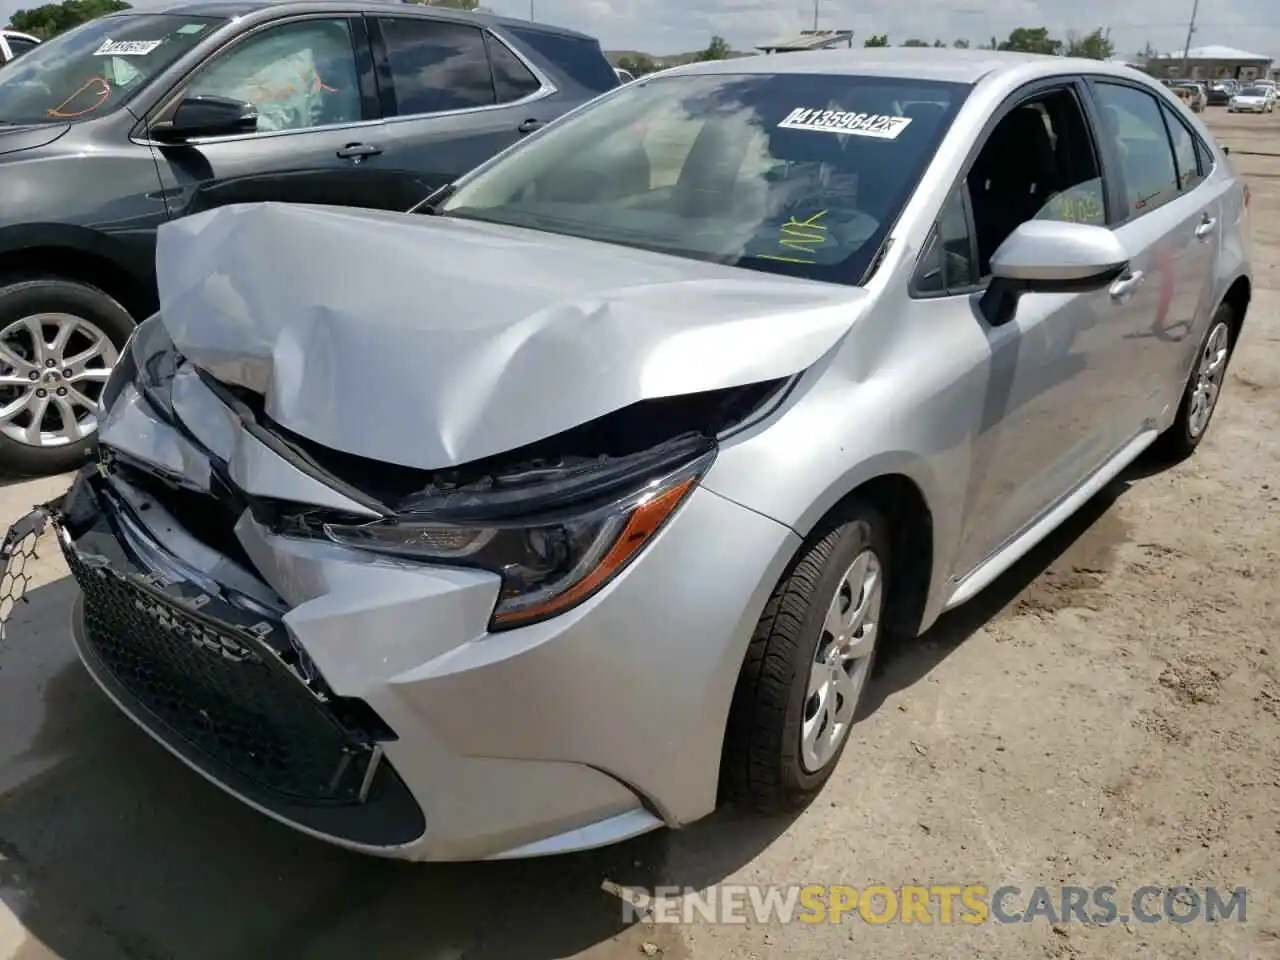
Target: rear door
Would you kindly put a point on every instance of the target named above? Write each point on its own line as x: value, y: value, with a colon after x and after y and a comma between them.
x: 311, y: 79
x: 454, y: 95
x: 1170, y: 225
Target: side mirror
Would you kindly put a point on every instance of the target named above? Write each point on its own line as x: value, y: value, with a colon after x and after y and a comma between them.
x: 207, y: 116
x: 1050, y: 256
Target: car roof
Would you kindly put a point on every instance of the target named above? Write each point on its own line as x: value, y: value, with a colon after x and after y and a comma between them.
x: 910, y: 63
x: 225, y: 9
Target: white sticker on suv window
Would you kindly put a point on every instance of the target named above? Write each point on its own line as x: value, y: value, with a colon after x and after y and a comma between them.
x: 877, y: 125
x: 126, y: 48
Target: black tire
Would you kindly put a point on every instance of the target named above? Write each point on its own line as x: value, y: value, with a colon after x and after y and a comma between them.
x: 1181, y: 440
x: 761, y: 767
x: 26, y: 297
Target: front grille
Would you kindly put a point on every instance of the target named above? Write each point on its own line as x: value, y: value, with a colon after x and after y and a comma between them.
x: 220, y: 686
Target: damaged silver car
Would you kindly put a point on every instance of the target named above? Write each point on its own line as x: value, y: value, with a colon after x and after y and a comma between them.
x: 583, y: 497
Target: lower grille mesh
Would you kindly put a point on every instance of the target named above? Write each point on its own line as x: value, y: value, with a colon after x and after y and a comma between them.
x: 219, y: 688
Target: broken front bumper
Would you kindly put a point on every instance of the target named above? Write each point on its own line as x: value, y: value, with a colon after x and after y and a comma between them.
x: 212, y: 674
x: 287, y: 675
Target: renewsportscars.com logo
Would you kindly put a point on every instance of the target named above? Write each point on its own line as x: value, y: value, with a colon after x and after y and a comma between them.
x: 936, y: 904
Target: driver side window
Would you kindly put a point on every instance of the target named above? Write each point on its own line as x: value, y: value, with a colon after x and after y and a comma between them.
x: 1039, y: 163
x: 299, y: 75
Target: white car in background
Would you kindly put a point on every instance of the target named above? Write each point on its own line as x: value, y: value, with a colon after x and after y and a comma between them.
x: 14, y: 44
x: 1253, y: 99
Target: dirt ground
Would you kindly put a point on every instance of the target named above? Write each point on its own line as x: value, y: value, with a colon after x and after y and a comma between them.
x: 1109, y: 713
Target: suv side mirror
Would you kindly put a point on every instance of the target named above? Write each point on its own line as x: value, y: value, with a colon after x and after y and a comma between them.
x: 1051, y: 256
x: 207, y: 116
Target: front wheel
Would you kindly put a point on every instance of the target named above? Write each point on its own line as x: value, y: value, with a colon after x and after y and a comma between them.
x: 1203, y: 388
x: 807, y: 666
x: 59, y: 340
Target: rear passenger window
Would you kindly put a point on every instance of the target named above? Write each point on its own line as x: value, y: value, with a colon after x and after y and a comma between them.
x: 1184, y: 150
x: 1132, y: 121
x: 1206, y: 157
x: 580, y: 58
x: 436, y: 66
x: 511, y: 78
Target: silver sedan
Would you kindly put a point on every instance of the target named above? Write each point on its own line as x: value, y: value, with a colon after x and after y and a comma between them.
x: 584, y: 496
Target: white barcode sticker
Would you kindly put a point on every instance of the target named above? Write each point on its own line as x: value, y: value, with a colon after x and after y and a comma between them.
x: 849, y: 122
x: 126, y: 48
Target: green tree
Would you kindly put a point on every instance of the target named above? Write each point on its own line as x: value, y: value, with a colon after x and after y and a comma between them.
x: 717, y: 49
x: 1096, y: 45
x: 637, y: 64
x: 938, y: 43
x: 1032, y: 40
x: 877, y: 40
x: 960, y: 44
x: 913, y: 42
x: 54, y: 18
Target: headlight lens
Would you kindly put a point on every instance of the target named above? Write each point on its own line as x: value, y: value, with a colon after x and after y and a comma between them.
x: 149, y: 361
x: 547, y: 565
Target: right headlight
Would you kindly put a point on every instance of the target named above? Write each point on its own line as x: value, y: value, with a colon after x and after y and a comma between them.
x: 548, y: 563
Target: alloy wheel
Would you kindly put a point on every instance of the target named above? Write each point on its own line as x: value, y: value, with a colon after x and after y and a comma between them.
x: 1209, y: 374
x: 842, y: 661
x: 53, y: 367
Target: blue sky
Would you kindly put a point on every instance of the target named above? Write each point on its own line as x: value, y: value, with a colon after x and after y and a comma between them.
x: 670, y: 26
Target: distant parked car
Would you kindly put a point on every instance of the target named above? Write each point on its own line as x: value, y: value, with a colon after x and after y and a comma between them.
x: 1220, y: 94
x: 363, y: 104
x: 1196, y: 97
x: 1253, y: 100
x: 14, y: 44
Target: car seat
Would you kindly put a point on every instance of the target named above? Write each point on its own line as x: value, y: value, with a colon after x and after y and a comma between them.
x: 1014, y: 176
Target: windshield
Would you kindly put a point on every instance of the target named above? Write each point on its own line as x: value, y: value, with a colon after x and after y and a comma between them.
x: 1254, y: 92
x: 790, y: 173
x: 93, y: 69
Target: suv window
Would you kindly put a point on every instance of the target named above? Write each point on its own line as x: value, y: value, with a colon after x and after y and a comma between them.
x: 299, y: 75
x: 19, y: 45
x: 948, y: 264
x: 1132, y: 119
x: 1039, y: 162
x: 579, y: 57
x: 1184, y: 150
x: 95, y: 68
x: 436, y: 65
x: 511, y: 78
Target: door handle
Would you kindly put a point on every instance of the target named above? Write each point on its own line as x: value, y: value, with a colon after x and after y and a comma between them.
x: 1124, y: 287
x: 1205, y: 230
x: 529, y: 126
x: 358, y: 151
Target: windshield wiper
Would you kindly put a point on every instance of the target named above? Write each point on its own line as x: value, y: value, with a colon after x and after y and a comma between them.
x: 432, y: 201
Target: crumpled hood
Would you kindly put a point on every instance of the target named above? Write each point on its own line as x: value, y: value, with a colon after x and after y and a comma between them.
x: 431, y: 342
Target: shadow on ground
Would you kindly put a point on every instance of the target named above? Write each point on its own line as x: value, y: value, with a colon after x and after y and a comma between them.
x: 110, y: 848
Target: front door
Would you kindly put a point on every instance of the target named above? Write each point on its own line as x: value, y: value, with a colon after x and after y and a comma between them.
x: 1050, y: 413
x: 311, y: 81
x: 454, y: 96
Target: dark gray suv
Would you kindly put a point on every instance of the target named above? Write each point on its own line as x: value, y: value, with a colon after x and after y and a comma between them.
x: 111, y: 129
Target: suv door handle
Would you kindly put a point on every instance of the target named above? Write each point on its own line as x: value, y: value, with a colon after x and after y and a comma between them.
x: 358, y: 151
x: 529, y: 126
x: 1205, y: 230
x: 1124, y: 287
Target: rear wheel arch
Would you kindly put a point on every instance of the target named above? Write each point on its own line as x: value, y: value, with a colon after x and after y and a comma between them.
x: 1237, y: 298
